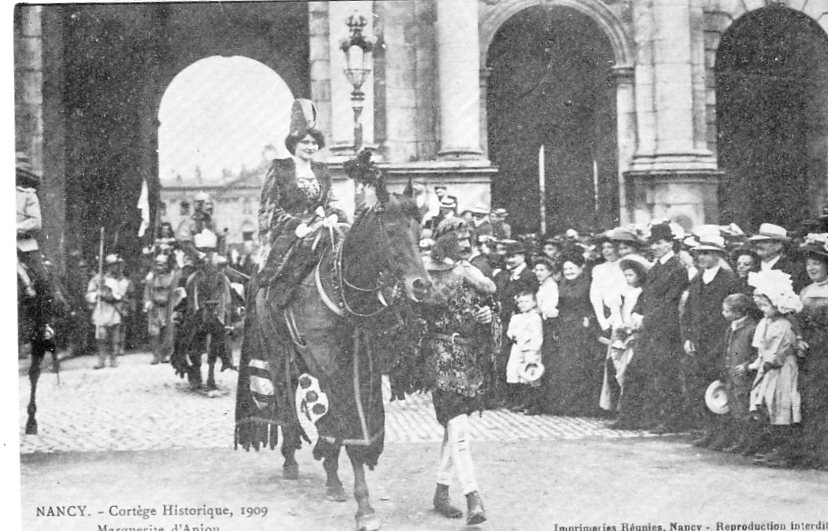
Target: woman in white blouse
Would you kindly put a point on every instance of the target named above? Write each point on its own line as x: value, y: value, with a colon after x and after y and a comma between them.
x: 547, y: 299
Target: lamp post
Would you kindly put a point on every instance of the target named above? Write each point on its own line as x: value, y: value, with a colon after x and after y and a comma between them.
x: 357, y: 49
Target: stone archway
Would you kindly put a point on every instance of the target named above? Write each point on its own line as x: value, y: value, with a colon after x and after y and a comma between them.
x: 609, y: 24
x: 772, y: 117
x: 551, y: 83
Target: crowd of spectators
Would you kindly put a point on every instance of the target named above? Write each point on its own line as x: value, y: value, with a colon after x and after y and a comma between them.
x: 713, y: 332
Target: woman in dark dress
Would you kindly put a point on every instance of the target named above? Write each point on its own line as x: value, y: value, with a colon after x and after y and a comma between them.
x: 813, y: 374
x: 578, y: 369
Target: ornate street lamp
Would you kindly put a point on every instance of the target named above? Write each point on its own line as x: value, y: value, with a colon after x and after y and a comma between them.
x: 357, y: 49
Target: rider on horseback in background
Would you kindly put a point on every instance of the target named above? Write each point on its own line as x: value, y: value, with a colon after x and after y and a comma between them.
x: 33, y: 274
x: 209, y: 312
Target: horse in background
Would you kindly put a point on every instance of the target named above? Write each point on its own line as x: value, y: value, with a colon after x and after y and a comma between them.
x: 316, y: 347
x: 210, y: 309
x: 33, y: 327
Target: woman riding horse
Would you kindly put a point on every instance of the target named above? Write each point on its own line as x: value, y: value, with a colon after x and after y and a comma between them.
x: 302, y: 333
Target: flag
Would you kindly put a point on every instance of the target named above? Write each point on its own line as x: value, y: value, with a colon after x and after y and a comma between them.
x: 143, y: 206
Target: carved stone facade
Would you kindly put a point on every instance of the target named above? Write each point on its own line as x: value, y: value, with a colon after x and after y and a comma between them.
x: 626, y: 97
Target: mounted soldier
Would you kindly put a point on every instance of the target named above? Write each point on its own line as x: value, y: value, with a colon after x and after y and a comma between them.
x: 31, y: 272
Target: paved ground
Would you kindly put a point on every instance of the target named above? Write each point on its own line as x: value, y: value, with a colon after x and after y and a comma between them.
x: 138, y: 406
x: 116, y: 437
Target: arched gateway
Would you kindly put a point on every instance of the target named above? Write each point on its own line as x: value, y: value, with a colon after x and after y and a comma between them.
x: 772, y: 117
x: 553, y: 81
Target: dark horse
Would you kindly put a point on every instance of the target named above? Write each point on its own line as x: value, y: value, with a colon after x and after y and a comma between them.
x: 357, y: 286
x: 211, y: 309
x: 33, y: 308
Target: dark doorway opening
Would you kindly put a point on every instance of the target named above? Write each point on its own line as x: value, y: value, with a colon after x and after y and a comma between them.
x: 551, y: 85
x: 772, y: 117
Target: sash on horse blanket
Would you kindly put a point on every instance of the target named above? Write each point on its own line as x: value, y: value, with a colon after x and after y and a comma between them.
x: 307, y: 337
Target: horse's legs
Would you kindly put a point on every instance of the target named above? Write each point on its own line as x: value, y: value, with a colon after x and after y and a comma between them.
x: 212, y: 347
x: 291, y: 440
x: 34, y: 374
x: 366, y: 518
x: 334, y: 490
x: 194, y: 350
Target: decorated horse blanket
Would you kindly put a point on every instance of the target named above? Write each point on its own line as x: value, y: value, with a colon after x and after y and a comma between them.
x: 310, y: 347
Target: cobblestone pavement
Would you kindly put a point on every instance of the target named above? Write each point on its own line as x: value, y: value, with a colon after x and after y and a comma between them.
x: 138, y: 406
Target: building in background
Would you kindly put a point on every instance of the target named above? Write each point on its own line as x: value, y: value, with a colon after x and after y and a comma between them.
x: 702, y: 111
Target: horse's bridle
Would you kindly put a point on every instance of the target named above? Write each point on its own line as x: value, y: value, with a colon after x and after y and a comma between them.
x: 379, y: 209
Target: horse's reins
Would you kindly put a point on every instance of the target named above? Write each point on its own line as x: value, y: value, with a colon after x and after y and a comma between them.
x: 340, y: 272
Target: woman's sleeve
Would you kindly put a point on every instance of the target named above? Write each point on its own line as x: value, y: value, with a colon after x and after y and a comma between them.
x: 549, y: 300
x: 271, y: 214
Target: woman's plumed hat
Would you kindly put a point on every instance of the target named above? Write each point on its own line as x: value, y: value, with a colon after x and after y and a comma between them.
x: 777, y: 287
x: 303, y: 116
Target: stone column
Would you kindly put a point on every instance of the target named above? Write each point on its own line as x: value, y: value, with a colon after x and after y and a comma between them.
x: 458, y: 57
x: 672, y: 174
x: 320, y: 64
x: 485, y: 72
x: 625, y: 121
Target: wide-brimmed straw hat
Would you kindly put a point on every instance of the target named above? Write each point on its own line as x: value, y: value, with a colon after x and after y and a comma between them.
x: 621, y: 234
x: 716, y: 398
x: 815, y: 245
x: 710, y: 242
x: 770, y: 232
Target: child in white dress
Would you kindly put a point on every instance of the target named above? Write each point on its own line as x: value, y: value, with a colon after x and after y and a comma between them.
x: 526, y: 333
x: 774, y: 396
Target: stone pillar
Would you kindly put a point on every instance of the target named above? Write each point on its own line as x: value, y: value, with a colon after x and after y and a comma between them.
x: 320, y: 64
x: 458, y: 57
x: 625, y: 120
x: 485, y: 72
x: 672, y: 174
x: 399, y: 81
x: 39, y: 115
x: 341, y: 141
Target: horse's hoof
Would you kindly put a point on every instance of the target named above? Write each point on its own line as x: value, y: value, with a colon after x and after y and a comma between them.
x: 290, y: 471
x: 335, y: 493
x: 367, y: 522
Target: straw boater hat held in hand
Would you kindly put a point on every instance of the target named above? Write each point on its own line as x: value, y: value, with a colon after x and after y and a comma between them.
x: 716, y: 398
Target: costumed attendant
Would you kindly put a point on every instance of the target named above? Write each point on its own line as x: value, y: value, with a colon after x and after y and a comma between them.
x: 159, y: 286
x: 814, y: 369
x: 774, y: 397
x: 106, y: 296
x: 463, y: 334
x: 297, y: 195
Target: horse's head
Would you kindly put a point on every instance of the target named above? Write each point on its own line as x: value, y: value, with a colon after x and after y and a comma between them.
x: 382, y: 248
